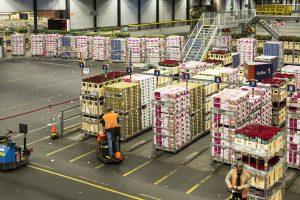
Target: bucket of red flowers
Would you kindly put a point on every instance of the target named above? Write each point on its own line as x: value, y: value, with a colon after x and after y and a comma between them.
x: 169, y: 63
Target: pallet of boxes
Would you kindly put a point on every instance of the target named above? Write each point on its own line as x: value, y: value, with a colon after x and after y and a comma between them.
x: 262, y: 149
x: 92, y: 100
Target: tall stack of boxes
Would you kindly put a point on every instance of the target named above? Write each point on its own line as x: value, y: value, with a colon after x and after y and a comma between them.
x: 247, y: 48
x: 272, y: 48
x: 52, y: 43
x: 118, y: 50
x: 222, y: 42
x: 171, y: 118
x: 261, y: 148
x: 234, y: 109
x: 175, y: 46
x: 37, y: 45
x: 274, y: 60
x: 125, y: 99
x: 17, y: 45
x: 137, y: 48
x: 101, y: 48
x: 92, y: 100
x: 293, y: 131
x: 147, y: 85
x: 84, y: 47
x: 155, y: 48
x: 67, y: 46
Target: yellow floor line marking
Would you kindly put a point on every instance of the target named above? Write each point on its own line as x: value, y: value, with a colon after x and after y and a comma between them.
x: 89, y: 179
x: 137, y: 168
x: 38, y: 140
x: 58, y: 150
x: 199, y: 184
x: 41, y: 165
x: 99, y: 166
x: 228, y: 198
x: 145, y: 195
x: 165, y: 177
x: 86, y: 183
x: 79, y: 157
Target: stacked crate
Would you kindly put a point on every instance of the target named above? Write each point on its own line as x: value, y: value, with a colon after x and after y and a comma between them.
x: 52, y: 43
x: 234, y: 109
x: 84, y: 47
x: 274, y: 60
x: 247, y: 48
x: 196, y: 108
x: 118, y: 50
x: 171, y: 118
x: 223, y: 42
x: 125, y: 99
x: 147, y: 85
x: 137, y: 48
x: 222, y: 55
x: 280, y: 81
x: 293, y: 131
x: 261, y: 148
x: 92, y: 100
x: 175, y: 45
x: 155, y: 48
x: 161, y: 80
x: 67, y: 46
x: 17, y: 45
x: 236, y: 60
x: 101, y: 48
x: 272, y: 48
x: 37, y: 45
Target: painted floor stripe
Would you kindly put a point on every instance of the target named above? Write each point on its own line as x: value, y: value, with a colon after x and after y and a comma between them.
x: 137, y: 168
x: 79, y: 157
x: 86, y: 183
x: 99, y: 166
x: 199, y: 184
x: 165, y: 177
x: 89, y: 179
x: 58, y: 150
x: 41, y: 165
x: 45, y: 138
x: 150, y: 197
x: 30, y: 131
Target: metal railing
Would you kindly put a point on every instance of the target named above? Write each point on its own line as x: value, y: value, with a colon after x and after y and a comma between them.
x: 69, y: 115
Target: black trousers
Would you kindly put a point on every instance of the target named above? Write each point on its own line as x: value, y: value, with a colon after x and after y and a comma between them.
x: 238, y: 196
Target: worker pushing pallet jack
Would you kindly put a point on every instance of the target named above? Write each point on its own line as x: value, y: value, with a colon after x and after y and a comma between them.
x: 108, y: 147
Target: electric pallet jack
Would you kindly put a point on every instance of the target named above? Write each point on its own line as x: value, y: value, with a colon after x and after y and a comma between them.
x: 102, y: 148
x: 12, y: 156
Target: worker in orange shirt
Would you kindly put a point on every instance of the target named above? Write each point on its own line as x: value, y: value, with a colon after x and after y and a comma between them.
x: 110, y: 121
x: 238, y: 181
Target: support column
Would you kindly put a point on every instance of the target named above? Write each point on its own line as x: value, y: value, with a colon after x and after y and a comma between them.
x: 173, y: 10
x: 95, y: 15
x: 35, y: 16
x: 139, y: 11
x: 188, y: 9
x: 67, y: 9
x: 119, y: 12
x: 157, y: 12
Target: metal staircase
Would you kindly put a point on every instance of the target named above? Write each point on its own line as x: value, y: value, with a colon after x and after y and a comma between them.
x: 267, y: 24
x: 201, y: 38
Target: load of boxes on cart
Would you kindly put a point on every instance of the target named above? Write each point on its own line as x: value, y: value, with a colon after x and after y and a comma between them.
x: 246, y: 122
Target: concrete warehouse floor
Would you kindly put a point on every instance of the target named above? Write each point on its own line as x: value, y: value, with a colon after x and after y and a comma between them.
x: 68, y: 169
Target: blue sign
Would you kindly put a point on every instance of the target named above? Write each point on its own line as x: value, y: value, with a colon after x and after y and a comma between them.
x: 105, y: 67
x: 129, y: 70
x: 81, y: 65
x: 186, y: 76
x: 218, y: 79
x: 291, y: 88
x: 252, y: 83
x: 260, y: 72
x: 156, y: 72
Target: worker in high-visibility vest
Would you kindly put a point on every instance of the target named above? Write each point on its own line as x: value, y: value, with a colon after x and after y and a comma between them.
x: 110, y: 121
x: 238, y: 181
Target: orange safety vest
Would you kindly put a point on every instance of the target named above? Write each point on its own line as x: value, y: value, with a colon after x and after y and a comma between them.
x: 111, y: 120
x: 244, y: 176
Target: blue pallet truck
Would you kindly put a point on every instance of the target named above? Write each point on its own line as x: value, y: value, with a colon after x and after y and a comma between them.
x: 11, y: 155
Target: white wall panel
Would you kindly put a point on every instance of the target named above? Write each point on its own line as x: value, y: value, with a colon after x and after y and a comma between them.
x: 165, y: 10
x: 80, y: 14
x: 148, y: 11
x: 107, y: 13
x: 129, y: 12
x: 180, y: 10
x: 52, y: 4
x: 16, y: 5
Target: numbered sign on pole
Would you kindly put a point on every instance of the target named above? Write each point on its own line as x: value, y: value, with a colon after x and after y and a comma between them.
x: 186, y: 76
x: 129, y: 70
x: 105, y: 67
x: 156, y: 72
x: 252, y: 83
x: 291, y: 88
x: 218, y: 79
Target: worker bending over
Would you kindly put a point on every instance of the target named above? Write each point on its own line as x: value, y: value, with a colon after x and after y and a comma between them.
x: 238, y: 181
x: 110, y: 121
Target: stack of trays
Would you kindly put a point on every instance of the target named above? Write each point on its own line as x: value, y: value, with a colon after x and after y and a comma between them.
x: 101, y: 48
x: 155, y: 48
x: 175, y: 46
x: 236, y: 60
x: 137, y: 48
x: 272, y: 48
x: 247, y: 48
x: 118, y: 50
x: 17, y: 45
x: 52, y: 43
x: 37, y: 45
x: 84, y: 46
